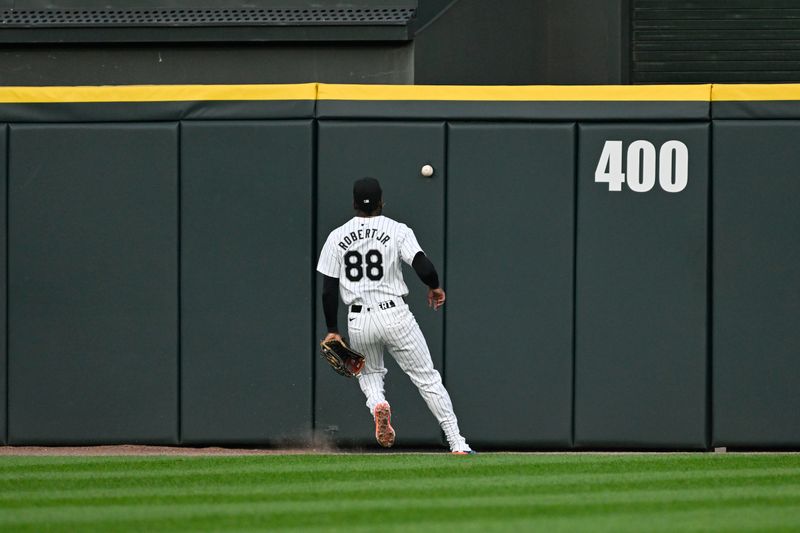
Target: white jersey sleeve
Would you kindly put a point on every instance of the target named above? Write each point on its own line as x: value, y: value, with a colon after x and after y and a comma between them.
x: 409, y: 247
x: 330, y: 262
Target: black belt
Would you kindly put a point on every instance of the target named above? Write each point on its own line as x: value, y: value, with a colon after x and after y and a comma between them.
x: 388, y: 304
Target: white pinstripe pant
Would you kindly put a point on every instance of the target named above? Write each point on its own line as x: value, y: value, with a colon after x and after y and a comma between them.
x: 397, y: 330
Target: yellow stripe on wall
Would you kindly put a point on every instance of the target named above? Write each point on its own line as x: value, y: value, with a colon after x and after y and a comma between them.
x: 156, y: 93
x: 605, y: 93
x: 324, y: 91
x: 750, y: 92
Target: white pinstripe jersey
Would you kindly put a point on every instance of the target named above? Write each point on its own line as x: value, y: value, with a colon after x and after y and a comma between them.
x: 365, y: 254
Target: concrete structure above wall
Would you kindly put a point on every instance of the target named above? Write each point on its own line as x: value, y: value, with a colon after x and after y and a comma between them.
x: 89, y: 42
x: 218, y: 63
x: 519, y: 42
x: 513, y: 42
x: 131, y: 21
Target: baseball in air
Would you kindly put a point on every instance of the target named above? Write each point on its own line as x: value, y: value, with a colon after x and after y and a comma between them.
x: 427, y: 171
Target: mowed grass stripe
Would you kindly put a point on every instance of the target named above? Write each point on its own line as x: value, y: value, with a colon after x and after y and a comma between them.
x: 745, y: 518
x: 667, y: 491
x: 286, y: 483
x: 720, y: 497
x: 190, y: 467
x: 204, y: 491
x: 334, y: 462
x: 491, y: 511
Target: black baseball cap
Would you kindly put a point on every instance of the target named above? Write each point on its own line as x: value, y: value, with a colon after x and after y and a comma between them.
x: 367, y: 194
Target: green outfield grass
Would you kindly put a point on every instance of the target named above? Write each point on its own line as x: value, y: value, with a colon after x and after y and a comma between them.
x: 403, y: 492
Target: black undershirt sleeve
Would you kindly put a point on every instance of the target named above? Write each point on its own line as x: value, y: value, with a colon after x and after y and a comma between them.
x: 425, y: 270
x: 330, y: 302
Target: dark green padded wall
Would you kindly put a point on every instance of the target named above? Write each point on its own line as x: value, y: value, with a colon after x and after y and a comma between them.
x: 510, y: 221
x: 246, y: 273
x: 756, y: 258
x: 3, y: 263
x: 96, y: 275
x: 640, y: 355
x: 393, y: 153
x: 93, y: 294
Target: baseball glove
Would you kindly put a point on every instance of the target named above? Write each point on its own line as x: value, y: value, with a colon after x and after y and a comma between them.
x: 342, y: 359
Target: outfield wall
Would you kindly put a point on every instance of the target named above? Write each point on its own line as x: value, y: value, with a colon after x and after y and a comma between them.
x: 621, y: 261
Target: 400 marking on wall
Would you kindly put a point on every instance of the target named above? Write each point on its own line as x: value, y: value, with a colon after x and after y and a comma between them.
x: 672, y: 168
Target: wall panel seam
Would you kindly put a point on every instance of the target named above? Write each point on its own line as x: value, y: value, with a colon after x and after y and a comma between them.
x: 313, y: 272
x: 179, y: 346
x: 710, y: 290
x: 575, y: 170
x: 446, y: 155
x: 7, y: 130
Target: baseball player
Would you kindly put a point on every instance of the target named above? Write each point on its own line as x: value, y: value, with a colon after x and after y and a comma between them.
x: 361, y: 261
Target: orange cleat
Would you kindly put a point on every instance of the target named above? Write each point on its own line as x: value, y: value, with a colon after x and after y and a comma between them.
x: 465, y: 452
x: 384, y: 432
